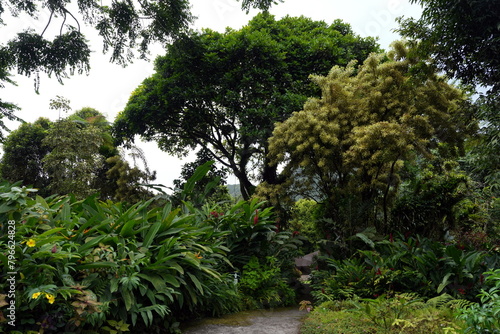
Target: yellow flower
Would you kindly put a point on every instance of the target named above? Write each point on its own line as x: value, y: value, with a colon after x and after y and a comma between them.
x: 198, y: 256
x: 31, y: 243
x: 36, y: 295
x: 50, y: 298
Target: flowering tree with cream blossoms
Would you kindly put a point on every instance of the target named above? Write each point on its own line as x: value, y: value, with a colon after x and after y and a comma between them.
x: 346, y: 149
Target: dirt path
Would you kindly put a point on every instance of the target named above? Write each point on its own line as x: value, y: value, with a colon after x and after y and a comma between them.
x: 279, y: 321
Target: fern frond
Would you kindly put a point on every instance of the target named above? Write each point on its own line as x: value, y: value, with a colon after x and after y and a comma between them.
x: 440, y: 301
x: 460, y: 304
x: 408, y: 296
x: 446, y: 300
x: 98, y: 286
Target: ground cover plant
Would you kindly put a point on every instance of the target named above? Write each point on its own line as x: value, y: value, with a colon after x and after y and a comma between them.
x: 405, y: 313
x: 483, y: 317
x: 405, y: 264
x: 407, y: 285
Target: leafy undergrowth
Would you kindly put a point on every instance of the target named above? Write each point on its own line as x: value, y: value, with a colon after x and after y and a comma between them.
x: 400, y: 314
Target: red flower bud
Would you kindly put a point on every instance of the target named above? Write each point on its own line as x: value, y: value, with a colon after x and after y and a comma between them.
x: 54, y: 249
x: 256, y: 217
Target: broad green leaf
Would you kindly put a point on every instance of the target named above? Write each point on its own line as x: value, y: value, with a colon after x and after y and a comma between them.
x: 128, y: 228
x: 212, y: 272
x: 153, y: 230
x: 171, y: 280
x: 65, y: 214
x: 113, y: 285
x: 172, y: 231
x: 455, y: 253
x: 128, y: 298
x: 444, y: 283
x: 41, y: 201
x: 196, y: 282
x: 198, y: 174
x: 366, y: 240
x: 49, y: 232
x: 4, y: 207
x: 156, y: 280
x: 97, y: 265
x: 91, y: 243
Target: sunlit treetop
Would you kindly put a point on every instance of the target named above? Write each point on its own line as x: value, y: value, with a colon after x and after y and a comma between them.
x: 225, y: 91
x: 369, y: 120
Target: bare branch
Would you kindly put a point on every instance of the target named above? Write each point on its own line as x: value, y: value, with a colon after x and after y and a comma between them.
x: 48, y: 23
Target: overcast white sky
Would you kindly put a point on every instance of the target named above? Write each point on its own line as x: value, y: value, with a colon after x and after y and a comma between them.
x: 108, y: 86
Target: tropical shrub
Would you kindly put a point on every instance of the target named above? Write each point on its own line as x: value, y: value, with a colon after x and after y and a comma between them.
x: 89, y: 265
x: 403, y: 313
x: 399, y: 264
x: 304, y: 216
x: 484, y: 317
x: 81, y: 264
x: 262, y: 285
x: 252, y: 230
x: 426, y: 202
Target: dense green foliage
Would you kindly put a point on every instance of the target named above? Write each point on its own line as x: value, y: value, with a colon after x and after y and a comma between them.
x: 74, y: 155
x: 404, y: 265
x: 406, y: 285
x: 386, y: 175
x: 462, y: 37
x: 262, y: 285
x: 214, y: 175
x: 101, y: 264
x: 346, y: 149
x: 428, y: 199
x: 69, y: 164
x: 483, y: 317
x: 224, y: 91
x: 402, y: 314
x: 23, y: 151
x: 482, y: 160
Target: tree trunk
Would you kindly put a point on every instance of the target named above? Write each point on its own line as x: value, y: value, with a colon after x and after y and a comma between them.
x: 246, y: 187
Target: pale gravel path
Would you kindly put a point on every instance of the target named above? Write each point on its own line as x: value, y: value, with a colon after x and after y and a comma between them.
x: 279, y: 321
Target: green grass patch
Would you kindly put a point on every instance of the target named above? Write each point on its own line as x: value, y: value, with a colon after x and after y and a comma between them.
x: 382, y: 315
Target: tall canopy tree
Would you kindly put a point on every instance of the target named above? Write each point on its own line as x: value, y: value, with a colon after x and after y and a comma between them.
x: 123, y: 25
x: 346, y: 148
x: 224, y: 91
x: 483, y: 158
x: 462, y: 36
x: 23, y: 151
x: 74, y: 155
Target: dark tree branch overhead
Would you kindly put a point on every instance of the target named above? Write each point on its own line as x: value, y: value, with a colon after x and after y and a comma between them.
x: 126, y: 27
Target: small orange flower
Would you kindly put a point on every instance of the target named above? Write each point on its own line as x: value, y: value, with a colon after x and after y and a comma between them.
x: 198, y: 256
